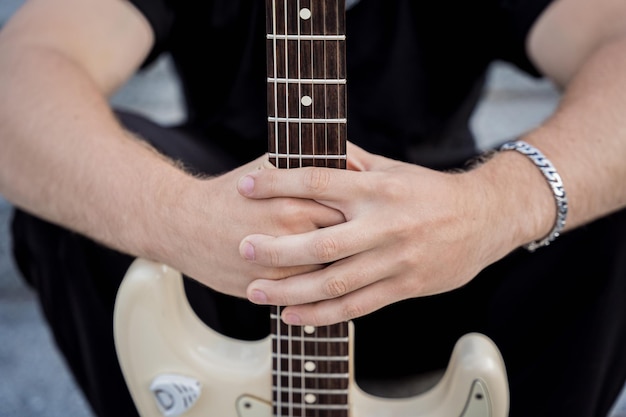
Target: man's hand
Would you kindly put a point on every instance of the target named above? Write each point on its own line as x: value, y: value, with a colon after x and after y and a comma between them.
x: 211, y: 219
x: 409, y: 232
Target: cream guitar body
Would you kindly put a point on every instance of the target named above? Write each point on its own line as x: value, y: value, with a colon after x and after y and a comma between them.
x: 175, y: 365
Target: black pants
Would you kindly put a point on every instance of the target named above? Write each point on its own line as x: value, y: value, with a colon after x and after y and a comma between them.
x: 558, y: 315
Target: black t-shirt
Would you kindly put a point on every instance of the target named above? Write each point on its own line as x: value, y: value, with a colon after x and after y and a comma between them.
x: 415, y: 69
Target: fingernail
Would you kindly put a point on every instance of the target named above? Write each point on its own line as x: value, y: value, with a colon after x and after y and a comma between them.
x: 258, y: 297
x: 247, y: 251
x: 246, y: 185
x: 292, y: 319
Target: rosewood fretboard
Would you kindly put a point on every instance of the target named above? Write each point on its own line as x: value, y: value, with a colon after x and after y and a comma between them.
x: 306, y: 86
x: 306, y: 92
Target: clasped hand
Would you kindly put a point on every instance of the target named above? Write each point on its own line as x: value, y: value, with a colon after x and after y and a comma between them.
x: 407, y: 232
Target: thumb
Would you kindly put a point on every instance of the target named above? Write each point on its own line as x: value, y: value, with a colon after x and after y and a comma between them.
x: 361, y: 160
x: 357, y: 157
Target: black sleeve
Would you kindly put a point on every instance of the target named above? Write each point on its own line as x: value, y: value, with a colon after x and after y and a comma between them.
x: 517, y: 18
x: 160, y: 17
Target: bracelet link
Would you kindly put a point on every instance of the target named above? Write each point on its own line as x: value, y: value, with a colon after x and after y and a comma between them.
x: 556, y: 185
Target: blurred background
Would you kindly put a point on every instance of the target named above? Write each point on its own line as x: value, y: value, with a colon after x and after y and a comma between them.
x: 33, y: 379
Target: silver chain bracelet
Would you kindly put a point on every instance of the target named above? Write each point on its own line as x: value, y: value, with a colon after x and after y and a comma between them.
x: 556, y: 185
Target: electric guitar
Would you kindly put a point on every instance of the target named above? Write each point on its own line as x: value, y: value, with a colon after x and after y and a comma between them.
x: 175, y: 365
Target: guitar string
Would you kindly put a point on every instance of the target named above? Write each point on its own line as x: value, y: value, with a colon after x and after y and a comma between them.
x: 325, y: 31
x: 288, y: 100
x: 275, y: 64
x: 286, y: 138
x: 287, y: 130
x: 338, y: 61
x: 339, y: 64
x: 286, y: 86
x: 300, y: 152
x: 320, y: 384
x: 299, y: 85
x: 313, y: 22
x: 325, y: 47
x: 278, y: 366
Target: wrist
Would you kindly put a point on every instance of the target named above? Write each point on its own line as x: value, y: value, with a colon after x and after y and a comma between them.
x: 164, y: 227
x: 518, y: 200
x: 553, y: 180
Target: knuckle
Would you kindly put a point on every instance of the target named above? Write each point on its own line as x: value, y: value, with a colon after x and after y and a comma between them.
x: 403, y: 287
x: 405, y: 260
x: 293, y: 216
x: 335, y: 287
x: 316, y: 179
x: 316, y: 319
x: 273, y: 257
x: 352, y: 311
x: 271, y: 180
x: 290, y: 213
x: 325, y: 250
x: 394, y: 187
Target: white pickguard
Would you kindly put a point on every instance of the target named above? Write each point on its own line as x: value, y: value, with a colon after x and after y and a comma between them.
x: 157, y: 333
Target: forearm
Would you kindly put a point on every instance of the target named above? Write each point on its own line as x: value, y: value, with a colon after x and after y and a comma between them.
x: 66, y: 159
x: 585, y: 140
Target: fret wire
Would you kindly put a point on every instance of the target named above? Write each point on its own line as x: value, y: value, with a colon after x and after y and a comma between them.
x: 288, y: 37
x: 305, y: 358
x: 305, y: 81
x: 326, y: 407
x: 304, y: 156
x: 314, y: 339
x: 317, y: 391
x: 298, y: 120
x: 339, y: 376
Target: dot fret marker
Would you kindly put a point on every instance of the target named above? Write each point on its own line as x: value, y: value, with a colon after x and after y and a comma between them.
x: 305, y: 14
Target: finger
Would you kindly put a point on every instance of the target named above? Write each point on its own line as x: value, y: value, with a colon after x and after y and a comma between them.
x: 311, y: 248
x: 299, y: 215
x: 351, y: 306
x: 277, y: 274
x: 315, y: 183
x: 361, y: 160
x: 335, y: 280
x: 357, y: 158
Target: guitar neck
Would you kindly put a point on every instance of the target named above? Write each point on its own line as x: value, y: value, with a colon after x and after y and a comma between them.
x: 306, y: 90
x: 306, y: 86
